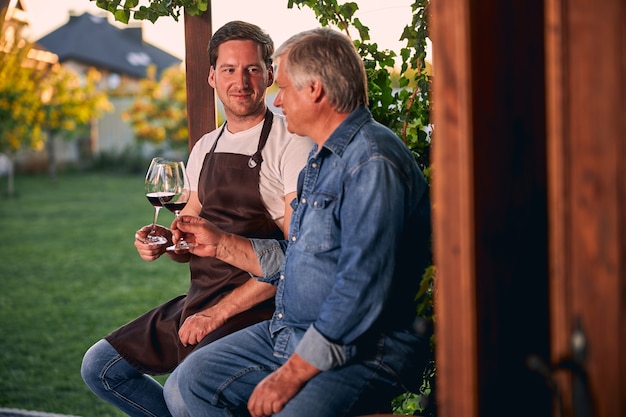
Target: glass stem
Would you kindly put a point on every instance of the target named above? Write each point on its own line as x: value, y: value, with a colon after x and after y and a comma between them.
x: 156, y: 216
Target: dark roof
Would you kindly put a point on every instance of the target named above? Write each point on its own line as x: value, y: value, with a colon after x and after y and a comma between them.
x: 92, y: 40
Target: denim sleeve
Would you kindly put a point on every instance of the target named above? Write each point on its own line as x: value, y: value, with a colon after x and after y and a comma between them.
x: 271, y: 254
x: 321, y: 352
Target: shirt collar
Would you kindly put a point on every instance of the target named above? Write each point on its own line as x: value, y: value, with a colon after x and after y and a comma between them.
x: 339, y: 140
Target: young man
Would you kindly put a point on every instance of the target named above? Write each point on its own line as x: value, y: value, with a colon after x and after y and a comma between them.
x: 243, y: 177
x: 342, y: 339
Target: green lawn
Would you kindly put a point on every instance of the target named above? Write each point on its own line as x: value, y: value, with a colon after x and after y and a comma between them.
x: 69, y: 274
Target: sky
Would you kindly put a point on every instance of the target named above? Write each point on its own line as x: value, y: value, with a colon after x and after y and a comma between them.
x: 386, y: 20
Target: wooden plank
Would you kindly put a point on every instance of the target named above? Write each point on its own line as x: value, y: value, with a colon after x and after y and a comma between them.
x: 201, y: 109
x: 452, y: 194
x: 586, y: 102
x: 559, y: 213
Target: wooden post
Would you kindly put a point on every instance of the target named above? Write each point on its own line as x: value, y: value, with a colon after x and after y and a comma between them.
x: 201, y: 109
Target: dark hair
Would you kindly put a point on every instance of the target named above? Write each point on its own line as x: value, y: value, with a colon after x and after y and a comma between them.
x: 241, y: 31
x: 329, y: 57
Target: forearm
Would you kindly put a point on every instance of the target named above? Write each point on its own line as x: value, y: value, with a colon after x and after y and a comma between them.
x: 298, y: 370
x: 244, y: 298
x: 241, y: 299
x: 238, y: 251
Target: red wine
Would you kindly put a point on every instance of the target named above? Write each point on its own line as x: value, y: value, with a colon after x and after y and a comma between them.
x: 153, y: 198
x: 175, y: 206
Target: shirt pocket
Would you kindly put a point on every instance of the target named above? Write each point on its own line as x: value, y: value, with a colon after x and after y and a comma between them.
x: 286, y: 341
x: 319, y: 221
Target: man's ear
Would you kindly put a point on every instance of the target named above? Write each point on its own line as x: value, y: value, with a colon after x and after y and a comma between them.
x: 211, y: 78
x: 270, y: 76
x: 316, y: 91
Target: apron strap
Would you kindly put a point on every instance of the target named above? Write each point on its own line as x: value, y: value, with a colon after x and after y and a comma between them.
x: 265, y: 132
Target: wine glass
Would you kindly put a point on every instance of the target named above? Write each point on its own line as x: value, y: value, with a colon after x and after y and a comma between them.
x: 175, y: 195
x: 153, y: 187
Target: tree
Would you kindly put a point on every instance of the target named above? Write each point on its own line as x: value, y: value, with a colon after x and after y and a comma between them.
x: 18, y: 101
x: 159, y: 113
x: 20, y: 97
x: 37, y: 105
x: 69, y: 104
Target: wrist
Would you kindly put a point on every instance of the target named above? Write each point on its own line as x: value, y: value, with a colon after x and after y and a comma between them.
x: 299, y: 369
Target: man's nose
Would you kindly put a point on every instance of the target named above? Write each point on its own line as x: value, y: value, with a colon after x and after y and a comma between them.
x: 278, y: 100
x: 243, y: 79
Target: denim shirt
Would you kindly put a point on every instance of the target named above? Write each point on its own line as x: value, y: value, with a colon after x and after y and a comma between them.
x: 358, y: 245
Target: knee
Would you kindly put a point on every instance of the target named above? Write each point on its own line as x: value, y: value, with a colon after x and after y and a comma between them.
x: 90, y: 367
x: 95, y: 362
x: 173, y: 398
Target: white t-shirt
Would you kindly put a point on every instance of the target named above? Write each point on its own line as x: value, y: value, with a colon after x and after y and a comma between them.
x: 284, y: 155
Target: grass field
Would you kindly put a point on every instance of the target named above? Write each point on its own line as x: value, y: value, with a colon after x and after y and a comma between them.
x: 69, y: 274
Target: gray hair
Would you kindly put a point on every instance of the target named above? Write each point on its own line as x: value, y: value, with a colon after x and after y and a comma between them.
x: 327, y: 56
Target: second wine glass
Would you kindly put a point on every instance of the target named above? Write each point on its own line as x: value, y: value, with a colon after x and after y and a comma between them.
x: 175, y: 195
x: 153, y: 189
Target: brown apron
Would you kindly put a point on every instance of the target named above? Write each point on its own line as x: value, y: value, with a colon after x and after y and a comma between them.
x: 228, y: 189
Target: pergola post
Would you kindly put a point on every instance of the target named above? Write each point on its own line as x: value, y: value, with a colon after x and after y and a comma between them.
x: 201, y: 110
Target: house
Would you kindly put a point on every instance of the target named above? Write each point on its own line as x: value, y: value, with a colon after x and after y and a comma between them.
x: 123, y: 58
x: 120, y: 54
x: 90, y: 41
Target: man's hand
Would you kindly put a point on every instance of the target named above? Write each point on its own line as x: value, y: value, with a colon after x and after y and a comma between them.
x: 273, y: 392
x: 206, y: 239
x: 147, y: 251
x: 202, y: 235
x: 199, y: 325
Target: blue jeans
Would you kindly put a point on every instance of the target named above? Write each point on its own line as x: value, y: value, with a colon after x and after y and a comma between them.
x: 218, y: 379
x: 112, y: 379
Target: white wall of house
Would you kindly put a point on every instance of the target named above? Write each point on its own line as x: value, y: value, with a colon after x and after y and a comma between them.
x: 113, y: 135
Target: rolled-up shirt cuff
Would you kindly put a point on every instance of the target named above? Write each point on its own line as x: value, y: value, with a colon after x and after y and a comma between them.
x: 271, y: 255
x: 319, y: 351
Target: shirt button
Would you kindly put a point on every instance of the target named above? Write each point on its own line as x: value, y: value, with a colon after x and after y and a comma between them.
x: 293, y: 238
x: 314, y: 165
x: 282, y: 276
x: 303, y: 200
x: 280, y: 315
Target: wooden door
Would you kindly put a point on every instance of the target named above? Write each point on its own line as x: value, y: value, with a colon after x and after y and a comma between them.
x: 586, y: 96
x: 529, y: 205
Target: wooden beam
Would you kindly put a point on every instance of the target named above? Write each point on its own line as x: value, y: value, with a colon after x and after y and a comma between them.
x: 201, y: 109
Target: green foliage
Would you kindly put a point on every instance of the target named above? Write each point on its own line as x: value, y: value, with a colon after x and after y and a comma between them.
x: 123, y: 10
x: 34, y: 100
x: 20, y: 98
x: 421, y: 403
x: 159, y: 113
x: 405, y: 109
x: 70, y: 102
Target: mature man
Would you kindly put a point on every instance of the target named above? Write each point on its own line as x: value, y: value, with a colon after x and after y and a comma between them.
x: 242, y: 177
x: 342, y: 339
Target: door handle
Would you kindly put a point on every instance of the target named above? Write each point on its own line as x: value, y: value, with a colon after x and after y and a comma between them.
x: 582, y: 401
